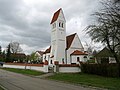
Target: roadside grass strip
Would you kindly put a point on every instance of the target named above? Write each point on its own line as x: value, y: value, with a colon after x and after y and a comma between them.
x: 88, y: 80
x: 24, y: 71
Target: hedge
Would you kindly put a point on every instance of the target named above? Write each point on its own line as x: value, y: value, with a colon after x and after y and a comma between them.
x: 108, y: 70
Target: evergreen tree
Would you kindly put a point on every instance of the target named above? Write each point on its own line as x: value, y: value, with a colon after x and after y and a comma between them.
x: 0, y: 50
x: 8, y: 54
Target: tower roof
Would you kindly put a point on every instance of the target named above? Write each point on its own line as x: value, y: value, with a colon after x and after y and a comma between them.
x: 55, y: 16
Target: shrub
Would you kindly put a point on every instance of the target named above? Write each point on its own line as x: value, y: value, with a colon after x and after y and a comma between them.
x: 109, y: 70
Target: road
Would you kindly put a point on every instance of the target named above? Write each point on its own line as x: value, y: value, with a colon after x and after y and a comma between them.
x: 14, y: 81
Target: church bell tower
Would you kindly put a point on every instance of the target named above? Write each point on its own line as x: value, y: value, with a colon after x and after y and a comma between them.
x: 58, y: 37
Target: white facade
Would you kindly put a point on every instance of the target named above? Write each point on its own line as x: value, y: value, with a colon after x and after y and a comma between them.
x: 58, y: 38
x: 69, y: 69
x: 81, y: 58
x: 39, y: 56
x: 76, y: 45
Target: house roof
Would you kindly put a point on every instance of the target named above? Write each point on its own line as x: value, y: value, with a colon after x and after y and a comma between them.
x: 105, y: 52
x: 18, y: 54
x: 55, y: 16
x: 77, y: 52
x: 47, y: 50
x: 69, y: 40
x: 40, y: 52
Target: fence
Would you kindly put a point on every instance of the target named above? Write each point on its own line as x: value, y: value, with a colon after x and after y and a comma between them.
x: 38, y: 67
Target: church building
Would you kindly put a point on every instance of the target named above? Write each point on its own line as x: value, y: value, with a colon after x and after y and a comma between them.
x: 64, y: 49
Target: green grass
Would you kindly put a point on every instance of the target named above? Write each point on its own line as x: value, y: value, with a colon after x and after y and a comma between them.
x: 1, y: 88
x: 89, y: 80
x: 24, y: 71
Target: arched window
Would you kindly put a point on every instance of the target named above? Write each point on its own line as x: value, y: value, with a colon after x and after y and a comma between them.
x: 51, y: 61
x: 78, y: 59
x: 63, y: 60
x: 59, y: 24
x: 62, y: 25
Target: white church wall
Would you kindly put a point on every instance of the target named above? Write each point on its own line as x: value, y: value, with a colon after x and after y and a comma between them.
x: 69, y: 69
x: 44, y: 55
x: 60, y: 52
x: 69, y: 51
x: 76, y: 44
x: 37, y: 68
x: 14, y: 66
x: 47, y: 57
x: 74, y: 58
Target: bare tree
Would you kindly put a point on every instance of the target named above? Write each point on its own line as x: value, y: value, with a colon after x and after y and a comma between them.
x: 107, y: 27
x: 15, y: 47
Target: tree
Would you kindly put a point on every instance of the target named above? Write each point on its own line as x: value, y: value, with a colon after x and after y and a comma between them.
x: 33, y: 57
x: 107, y: 27
x: 15, y: 47
x: 8, y: 54
x: 94, y: 52
x: 0, y: 50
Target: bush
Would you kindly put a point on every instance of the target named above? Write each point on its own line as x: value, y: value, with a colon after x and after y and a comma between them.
x: 109, y: 70
x: 91, y: 61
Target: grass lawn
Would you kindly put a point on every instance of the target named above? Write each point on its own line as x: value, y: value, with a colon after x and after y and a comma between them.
x: 1, y: 88
x: 24, y: 71
x: 90, y: 80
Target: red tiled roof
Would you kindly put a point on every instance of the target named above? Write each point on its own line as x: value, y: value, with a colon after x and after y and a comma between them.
x: 69, y: 40
x: 52, y: 56
x: 47, y: 50
x: 77, y: 52
x: 55, y: 16
x: 40, y: 52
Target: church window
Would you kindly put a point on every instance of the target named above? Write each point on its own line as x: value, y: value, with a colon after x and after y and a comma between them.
x: 62, y: 25
x: 51, y: 61
x: 78, y: 59
x: 59, y: 24
x: 45, y: 58
x: 63, y: 60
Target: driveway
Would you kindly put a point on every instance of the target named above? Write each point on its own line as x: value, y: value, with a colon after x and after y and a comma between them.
x: 14, y: 81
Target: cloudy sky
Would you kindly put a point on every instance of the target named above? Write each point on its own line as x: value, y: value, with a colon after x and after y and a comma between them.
x: 28, y: 21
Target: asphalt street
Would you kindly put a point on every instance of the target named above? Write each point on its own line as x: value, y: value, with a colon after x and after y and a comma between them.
x: 14, y: 81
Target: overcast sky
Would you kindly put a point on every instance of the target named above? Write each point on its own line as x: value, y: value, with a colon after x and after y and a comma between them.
x: 28, y: 21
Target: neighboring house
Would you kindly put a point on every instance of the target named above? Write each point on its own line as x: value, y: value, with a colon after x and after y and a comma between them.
x: 65, y: 50
x: 19, y: 57
x: 40, y: 55
x: 104, y: 56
